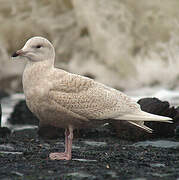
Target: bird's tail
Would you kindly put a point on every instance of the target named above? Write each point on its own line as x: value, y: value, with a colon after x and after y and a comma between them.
x: 144, y: 116
x: 138, y: 118
x: 141, y: 125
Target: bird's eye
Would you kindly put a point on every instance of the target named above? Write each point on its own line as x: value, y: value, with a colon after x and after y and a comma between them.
x: 38, y: 46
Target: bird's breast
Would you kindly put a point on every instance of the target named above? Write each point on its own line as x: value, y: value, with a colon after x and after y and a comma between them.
x: 35, y: 97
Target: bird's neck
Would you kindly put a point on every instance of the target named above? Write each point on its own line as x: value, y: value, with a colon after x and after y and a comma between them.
x: 44, y: 65
x: 35, y: 72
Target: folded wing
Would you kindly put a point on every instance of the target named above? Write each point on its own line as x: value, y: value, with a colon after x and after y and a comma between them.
x: 91, y: 100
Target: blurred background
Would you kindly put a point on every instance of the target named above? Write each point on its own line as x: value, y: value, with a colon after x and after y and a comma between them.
x: 125, y: 44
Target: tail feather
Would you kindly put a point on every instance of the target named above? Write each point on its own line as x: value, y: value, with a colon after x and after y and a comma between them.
x: 144, y: 116
x: 141, y: 125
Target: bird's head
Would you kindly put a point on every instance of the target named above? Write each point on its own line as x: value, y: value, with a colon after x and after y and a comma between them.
x: 37, y: 49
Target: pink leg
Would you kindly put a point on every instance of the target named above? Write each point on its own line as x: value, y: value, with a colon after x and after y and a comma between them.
x: 68, y: 146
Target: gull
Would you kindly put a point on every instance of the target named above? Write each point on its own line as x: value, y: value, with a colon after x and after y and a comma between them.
x: 70, y: 101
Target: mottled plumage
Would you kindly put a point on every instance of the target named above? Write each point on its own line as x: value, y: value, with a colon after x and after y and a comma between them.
x: 70, y: 101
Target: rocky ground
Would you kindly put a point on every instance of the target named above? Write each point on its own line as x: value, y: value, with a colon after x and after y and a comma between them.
x: 103, y: 157
x: 97, y: 154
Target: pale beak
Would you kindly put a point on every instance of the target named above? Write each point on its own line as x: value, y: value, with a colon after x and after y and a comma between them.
x: 18, y: 53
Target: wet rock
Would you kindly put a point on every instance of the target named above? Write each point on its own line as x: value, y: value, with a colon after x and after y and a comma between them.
x: 22, y: 115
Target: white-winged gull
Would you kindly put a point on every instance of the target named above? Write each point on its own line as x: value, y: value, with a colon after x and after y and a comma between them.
x: 71, y: 101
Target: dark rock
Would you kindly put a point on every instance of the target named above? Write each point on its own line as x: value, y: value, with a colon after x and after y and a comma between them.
x: 177, y: 132
x: 158, y: 107
x: 4, y: 131
x: 128, y: 131
x: 22, y: 115
x: 162, y: 108
x: 50, y: 132
x: 103, y: 131
x: 3, y: 94
x: 0, y: 114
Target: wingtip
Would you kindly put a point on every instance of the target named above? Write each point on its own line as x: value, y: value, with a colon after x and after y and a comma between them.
x: 170, y: 121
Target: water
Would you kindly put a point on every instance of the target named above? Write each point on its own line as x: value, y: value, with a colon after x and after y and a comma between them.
x: 94, y: 143
x: 8, y: 104
x: 164, y: 95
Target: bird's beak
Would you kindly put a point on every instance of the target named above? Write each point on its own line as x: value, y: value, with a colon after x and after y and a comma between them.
x: 19, y: 53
